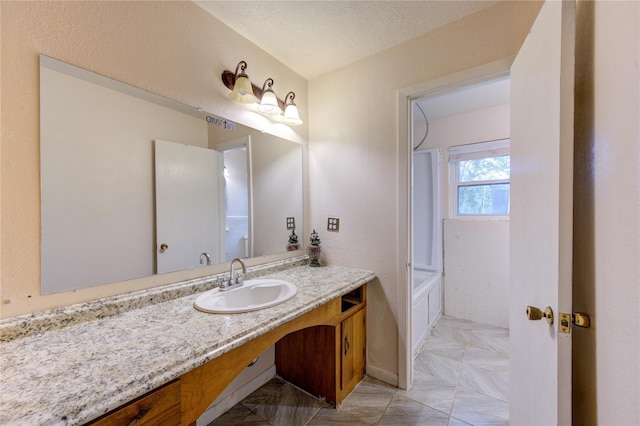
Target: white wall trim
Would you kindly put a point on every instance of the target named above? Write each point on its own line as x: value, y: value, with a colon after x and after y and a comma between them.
x: 382, y: 375
x: 490, y: 71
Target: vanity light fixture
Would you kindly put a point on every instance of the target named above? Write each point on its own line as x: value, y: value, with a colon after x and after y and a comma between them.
x: 291, y: 115
x: 242, y: 88
x: 269, y: 102
x: 244, y: 92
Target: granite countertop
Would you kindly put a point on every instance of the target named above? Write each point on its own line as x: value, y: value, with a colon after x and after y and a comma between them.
x: 70, y: 374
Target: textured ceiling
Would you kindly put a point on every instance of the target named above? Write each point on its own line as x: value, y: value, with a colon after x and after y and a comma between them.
x: 316, y: 37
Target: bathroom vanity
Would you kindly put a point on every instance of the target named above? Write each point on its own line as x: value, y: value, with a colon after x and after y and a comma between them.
x: 150, y: 355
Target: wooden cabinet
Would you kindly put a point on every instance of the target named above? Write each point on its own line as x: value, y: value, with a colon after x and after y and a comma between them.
x: 328, y: 360
x: 161, y: 406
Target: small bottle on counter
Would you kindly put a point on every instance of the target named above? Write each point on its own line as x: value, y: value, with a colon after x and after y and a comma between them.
x: 293, y: 244
x: 314, y: 249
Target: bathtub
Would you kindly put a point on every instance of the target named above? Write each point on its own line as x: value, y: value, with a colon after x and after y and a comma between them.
x: 427, y: 305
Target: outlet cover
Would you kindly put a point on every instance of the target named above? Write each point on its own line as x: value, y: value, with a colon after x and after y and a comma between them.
x: 333, y: 224
x: 291, y: 223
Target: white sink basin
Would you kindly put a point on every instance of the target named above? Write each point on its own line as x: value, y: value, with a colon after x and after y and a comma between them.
x: 252, y: 296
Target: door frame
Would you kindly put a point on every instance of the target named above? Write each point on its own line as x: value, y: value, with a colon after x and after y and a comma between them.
x: 476, y: 75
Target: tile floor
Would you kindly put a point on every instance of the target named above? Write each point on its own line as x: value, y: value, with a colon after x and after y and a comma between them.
x: 461, y: 378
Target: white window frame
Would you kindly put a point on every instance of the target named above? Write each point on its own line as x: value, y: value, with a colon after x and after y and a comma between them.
x: 495, y: 148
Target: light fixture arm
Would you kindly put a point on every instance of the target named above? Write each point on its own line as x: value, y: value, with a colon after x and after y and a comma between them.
x: 242, y: 65
x: 289, y: 95
x: 268, y: 82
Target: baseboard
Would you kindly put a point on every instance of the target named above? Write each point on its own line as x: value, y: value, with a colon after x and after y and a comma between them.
x: 382, y: 375
x: 220, y: 407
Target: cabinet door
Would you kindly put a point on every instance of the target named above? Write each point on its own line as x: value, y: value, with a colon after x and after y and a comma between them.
x: 353, y: 347
x: 307, y: 358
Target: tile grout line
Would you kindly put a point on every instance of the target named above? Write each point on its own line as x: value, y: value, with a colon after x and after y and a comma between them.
x: 455, y: 393
x: 395, y: 392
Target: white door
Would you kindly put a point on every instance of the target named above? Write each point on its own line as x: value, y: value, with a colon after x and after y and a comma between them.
x: 187, y: 213
x: 541, y: 217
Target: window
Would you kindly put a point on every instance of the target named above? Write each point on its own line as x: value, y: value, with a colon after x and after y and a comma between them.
x: 479, y: 177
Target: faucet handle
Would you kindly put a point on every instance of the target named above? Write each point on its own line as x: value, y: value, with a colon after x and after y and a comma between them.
x: 226, y: 283
x: 239, y: 278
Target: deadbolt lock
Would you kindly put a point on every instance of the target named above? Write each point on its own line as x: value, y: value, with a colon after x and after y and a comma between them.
x: 534, y: 314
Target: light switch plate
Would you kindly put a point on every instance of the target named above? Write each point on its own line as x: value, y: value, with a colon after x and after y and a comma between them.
x: 333, y: 224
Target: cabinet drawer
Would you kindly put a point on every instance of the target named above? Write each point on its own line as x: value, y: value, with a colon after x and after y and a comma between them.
x: 159, y: 407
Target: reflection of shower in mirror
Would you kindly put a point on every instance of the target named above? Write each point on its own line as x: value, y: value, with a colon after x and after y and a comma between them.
x: 236, y: 198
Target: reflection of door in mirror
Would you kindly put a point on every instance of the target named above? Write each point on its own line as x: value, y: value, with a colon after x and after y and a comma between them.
x: 187, y: 213
x: 98, y: 211
x: 237, y: 198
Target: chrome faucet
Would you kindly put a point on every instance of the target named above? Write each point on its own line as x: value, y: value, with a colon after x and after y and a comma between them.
x: 235, y: 278
x: 204, y: 256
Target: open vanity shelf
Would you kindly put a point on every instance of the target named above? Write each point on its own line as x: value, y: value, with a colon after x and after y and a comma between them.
x: 353, y: 299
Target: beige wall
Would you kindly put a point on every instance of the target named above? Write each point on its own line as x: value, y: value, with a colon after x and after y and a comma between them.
x: 174, y: 49
x: 606, y: 269
x: 353, y: 151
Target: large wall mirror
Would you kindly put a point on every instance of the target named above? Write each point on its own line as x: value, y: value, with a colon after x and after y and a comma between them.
x: 134, y: 184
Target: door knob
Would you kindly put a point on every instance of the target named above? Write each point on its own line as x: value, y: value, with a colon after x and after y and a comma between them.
x: 535, y: 314
x: 163, y: 247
